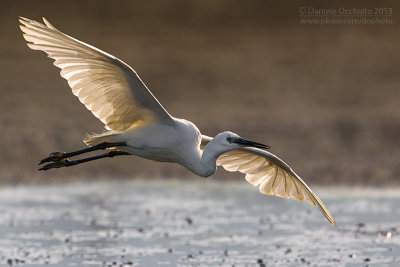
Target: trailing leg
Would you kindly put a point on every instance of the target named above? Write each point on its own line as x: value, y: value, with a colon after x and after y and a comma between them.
x: 58, y: 156
x: 66, y: 162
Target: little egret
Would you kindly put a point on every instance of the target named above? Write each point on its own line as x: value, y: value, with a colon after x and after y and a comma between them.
x: 138, y: 124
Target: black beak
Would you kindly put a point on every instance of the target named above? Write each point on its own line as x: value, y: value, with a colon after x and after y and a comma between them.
x: 245, y: 142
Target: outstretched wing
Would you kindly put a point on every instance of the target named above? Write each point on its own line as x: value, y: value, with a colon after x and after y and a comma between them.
x: 270, y: 173
x: 108, y: 87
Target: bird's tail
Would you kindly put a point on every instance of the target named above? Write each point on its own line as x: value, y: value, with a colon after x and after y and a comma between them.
x: 94, y: 139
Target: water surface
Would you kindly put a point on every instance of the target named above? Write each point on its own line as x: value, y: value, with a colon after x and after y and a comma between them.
x: 201, y: 223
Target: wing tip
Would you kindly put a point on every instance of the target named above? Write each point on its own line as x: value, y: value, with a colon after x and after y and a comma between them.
x: 325, y: 212
x: 27, y: 21
x: 23, y: 22
x: 21, y: 18
x: 30, y: 22
x: 330, y: 217
x: 48, y: 24
x: 331, y: 220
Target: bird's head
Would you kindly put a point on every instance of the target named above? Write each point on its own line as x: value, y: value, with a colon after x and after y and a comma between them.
x: 234, y: 141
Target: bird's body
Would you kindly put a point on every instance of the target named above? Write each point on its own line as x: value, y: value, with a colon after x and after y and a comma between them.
x: 179, y: 143
x: 139, y: 125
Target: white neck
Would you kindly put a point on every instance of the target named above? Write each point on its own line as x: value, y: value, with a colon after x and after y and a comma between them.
x: 205, y: 164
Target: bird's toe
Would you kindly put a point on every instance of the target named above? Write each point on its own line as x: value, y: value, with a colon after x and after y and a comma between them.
x: 55, y: 164
x: 54, y: 156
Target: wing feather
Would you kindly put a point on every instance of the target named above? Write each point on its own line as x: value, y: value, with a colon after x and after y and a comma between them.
x: 271, y: 174
x: 108, y: 87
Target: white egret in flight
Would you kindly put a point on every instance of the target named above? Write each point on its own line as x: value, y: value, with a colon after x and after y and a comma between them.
x: 138, y: 124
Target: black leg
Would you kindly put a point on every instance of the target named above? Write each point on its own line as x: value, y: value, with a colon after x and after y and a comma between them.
x: 67, y: 162
x: 57, y: 156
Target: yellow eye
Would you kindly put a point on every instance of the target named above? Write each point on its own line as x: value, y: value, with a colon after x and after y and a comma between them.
x: 229, y: 139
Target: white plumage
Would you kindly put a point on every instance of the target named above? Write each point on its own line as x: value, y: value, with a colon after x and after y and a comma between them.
x: 108, y: 87
x: 139, y: 125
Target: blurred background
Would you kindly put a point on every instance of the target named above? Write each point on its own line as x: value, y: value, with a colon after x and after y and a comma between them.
x: 324, y: 97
